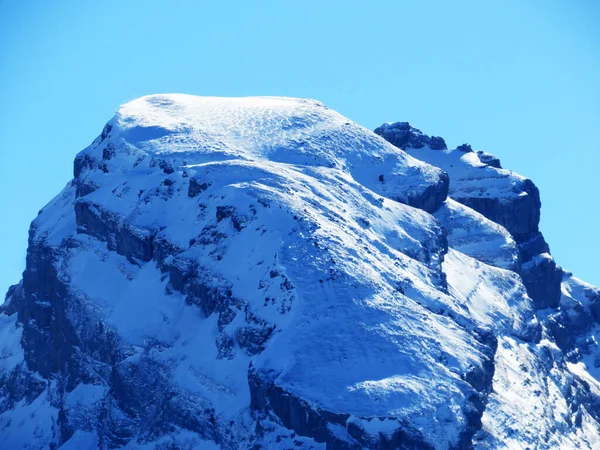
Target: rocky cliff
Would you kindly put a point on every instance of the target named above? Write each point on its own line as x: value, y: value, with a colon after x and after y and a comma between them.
x: 506, y: 198
x: 264, y: 273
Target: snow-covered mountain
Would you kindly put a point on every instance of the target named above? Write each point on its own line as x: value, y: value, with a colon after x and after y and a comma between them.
x: 264, y: 273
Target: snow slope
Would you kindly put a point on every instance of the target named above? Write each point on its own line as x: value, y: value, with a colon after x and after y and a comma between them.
x: 264, y: 273
x: 476, y: 236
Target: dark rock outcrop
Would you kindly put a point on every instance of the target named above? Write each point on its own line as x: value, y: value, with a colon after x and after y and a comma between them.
x: 533, y: 245
x: 196, y: 187
x: 126, y: 239
x: 337, y: 431
x: 402, y: 135
x: 489, y: 159
x: 433, y: 196
x: 594, y: 305
x: 465, y: 148
x: 542, y: 278
x: 520, y: 215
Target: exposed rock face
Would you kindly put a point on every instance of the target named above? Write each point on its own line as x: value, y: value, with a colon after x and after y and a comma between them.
x: 520, y: 215
x: 542, y: 278
x: 402, y: 135
x: 433, y: 196
x: 489, y: 159
x: 264, y: 273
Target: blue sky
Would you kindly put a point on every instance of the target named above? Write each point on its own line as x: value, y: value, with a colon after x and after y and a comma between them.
x: 519, y: 79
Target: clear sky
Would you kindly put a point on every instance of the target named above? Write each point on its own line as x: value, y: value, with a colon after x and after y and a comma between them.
x: 520, y: 79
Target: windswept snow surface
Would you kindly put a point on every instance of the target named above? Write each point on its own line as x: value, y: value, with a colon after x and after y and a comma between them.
x: 196, y: 130
x: 229, y: 273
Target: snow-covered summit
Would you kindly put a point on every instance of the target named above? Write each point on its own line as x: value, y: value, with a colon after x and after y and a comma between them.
x: 187, y: 130
x: 264, y: 273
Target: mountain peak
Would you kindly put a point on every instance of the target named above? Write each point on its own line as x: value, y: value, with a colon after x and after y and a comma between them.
x: 264, y: 273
